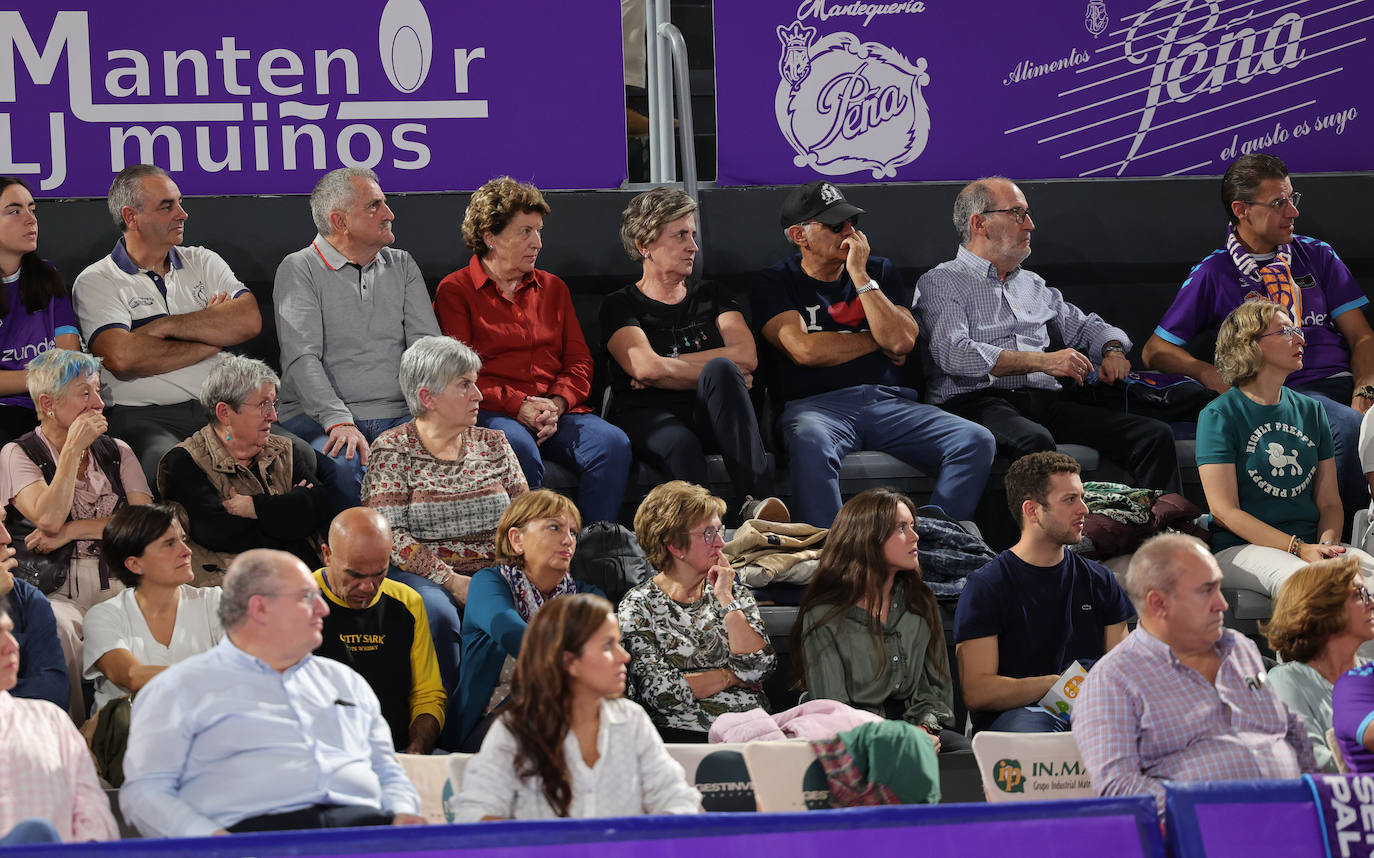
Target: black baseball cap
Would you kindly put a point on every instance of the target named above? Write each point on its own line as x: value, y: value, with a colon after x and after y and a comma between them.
x: 820, y: 201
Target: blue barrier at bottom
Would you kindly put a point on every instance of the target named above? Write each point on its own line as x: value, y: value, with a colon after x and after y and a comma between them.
x: 1087, y: 828
x: 1244, y: 819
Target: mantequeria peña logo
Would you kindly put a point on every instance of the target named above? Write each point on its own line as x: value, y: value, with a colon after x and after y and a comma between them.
x: 276, y: 125
x: 1007, y: 775
x: 846, y: 105
x: 1095, y: 19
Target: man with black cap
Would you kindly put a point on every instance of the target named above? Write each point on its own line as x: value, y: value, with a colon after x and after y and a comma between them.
x: 837, y: 334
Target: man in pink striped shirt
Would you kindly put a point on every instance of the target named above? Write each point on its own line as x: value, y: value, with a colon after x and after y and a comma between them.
x: 46, y: 772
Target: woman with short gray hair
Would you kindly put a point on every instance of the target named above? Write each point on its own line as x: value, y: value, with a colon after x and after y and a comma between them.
x: 60, y: 484
x: 243, y: 487
x: 442, y: 482
x: 683, y: 356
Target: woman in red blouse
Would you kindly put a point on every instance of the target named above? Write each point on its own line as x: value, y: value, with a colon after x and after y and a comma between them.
x: 536, y: 367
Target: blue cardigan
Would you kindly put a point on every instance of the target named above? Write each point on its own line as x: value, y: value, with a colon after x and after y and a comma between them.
x: 492, y: 629
x: 42, y: 668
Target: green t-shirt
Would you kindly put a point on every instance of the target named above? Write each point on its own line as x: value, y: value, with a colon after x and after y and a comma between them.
x: 1275, y: 450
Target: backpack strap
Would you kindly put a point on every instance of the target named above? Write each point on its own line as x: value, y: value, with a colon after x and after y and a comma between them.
x: 105, y: 454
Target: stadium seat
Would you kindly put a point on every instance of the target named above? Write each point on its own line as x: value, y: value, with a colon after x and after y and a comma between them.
x: 1030, y: 766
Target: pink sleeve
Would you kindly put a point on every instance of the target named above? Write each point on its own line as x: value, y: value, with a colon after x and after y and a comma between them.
x: 91, y: 816
x: 130, y: 471
x: 17, y: 471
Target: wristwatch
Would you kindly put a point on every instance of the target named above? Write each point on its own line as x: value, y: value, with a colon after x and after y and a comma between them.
x: 867, y: 287
x: 1113, y: 347
x: 1365, y: 390
x: 733, y: 606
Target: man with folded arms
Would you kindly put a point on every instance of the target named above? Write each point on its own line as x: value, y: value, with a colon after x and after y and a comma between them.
x: 1183, y: 698
x: 257, y: 734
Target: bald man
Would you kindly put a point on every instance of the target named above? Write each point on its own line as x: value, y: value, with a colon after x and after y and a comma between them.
x: 378, y: 627
x: 1183, y: 698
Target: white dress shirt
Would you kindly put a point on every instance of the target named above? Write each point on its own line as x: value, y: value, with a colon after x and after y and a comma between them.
x: 221, y: 737
x: 633, y: 776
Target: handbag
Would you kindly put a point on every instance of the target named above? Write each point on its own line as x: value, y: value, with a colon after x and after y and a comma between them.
x: 48, y: 572
x: 1167, y: 397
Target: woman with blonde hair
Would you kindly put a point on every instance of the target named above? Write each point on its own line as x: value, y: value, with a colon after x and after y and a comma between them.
x: 695, y: 635
x: 1266, y: 457
x: 568, y: 744
x: 1322, y: 616
x: 536, y: 367
x: 868, y: 630
x: 535, y: 541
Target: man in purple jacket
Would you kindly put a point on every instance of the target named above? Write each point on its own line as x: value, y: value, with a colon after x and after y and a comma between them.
x: 1263, y: 257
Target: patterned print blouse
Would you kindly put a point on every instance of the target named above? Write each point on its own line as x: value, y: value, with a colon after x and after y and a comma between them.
x: 667, y: 639
x: 442, y: 513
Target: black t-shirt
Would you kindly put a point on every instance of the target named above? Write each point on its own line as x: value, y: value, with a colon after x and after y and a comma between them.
x: 1045, y: 618
x: 672, y: 330
x: 823, y: 307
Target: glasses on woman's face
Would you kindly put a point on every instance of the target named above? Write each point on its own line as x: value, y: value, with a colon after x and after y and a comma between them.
x: 1366, y: 598
x: 265, y: 407
x: 708, y: 534
x: 1290, y: 332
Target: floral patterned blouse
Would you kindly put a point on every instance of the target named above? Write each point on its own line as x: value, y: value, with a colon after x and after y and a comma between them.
x: 667, y: 639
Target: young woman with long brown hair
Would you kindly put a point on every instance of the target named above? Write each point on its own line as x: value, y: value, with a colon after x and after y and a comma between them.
x: 568, y: 743
x: 868, y: 631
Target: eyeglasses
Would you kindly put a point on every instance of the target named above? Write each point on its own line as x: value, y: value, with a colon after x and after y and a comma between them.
x: 305, y: 597
x: 1365, y: 596
x: 708, y: 534
x: 267, y: 406
x: 1290, y: 332
x: 1277, y: 205
x: 1018, y: 213
x: 838, y: 228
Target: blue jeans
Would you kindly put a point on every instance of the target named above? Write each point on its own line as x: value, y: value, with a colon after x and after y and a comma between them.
x: 596, y: 450
x: 348, y: 473
x: 31, y: 831
x: 445, y: 626
x: 821, y: 430
x: 1028, y: 719
x: 1335, y: 394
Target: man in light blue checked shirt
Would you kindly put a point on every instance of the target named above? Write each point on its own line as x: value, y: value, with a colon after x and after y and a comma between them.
x: 1001, y: 343
x: 257, y: 734
x: 1183, y: 698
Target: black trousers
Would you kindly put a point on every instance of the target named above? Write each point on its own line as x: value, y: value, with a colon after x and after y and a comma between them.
x: 315, y: 816
x: 722, y: 419
x: 1031, y: 420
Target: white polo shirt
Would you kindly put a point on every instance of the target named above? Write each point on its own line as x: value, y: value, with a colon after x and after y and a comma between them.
x: 116, y: 293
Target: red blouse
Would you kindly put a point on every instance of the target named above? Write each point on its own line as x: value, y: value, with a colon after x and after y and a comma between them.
x: 530, y: 344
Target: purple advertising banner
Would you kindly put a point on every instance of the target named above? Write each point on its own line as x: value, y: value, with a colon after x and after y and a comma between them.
x: 262, y: 97
x: 910, y: 90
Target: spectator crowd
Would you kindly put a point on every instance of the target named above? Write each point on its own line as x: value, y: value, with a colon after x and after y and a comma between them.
x: 236, y: 592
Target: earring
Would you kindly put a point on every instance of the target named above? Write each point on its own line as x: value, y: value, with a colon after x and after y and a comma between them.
x: 51, y: 413
x: 228, y: 437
